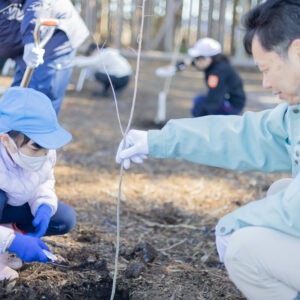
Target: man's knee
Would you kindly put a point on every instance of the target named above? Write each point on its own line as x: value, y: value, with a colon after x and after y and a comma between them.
x: 240, y: 253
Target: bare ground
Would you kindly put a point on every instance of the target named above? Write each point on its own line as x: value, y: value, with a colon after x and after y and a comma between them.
x: 168, y: 208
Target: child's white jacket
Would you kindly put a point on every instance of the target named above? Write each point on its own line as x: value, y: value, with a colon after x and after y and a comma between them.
x: 267, y: 141
x: 22, y: 186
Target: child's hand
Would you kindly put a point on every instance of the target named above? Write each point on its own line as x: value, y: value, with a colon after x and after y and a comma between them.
x: 41, y: 220
x: 29, y: 248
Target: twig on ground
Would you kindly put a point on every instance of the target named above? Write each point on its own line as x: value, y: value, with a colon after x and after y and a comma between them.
x: 154, y: 224
x: 172, y: 246
x: 224, y: 278
x: 33, y: 274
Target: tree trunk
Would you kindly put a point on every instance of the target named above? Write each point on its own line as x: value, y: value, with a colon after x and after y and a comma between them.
x: 210, y: 18
x: 164, y: 29
x: 149, y: 11
x: 90, y: 15
x: 118, y: 36
x: 222, y: 32
x: 199, y: 20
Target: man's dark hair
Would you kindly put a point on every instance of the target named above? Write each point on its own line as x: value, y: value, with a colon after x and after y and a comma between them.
x: 276, y: 24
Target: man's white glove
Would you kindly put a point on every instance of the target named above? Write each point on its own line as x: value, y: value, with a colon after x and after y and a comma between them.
x: 135, y: 148
x: 33, y: 55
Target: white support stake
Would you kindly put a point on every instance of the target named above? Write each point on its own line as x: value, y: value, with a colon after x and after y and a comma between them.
x: 161, y: 107
x: 81, y: 79
x: 162, y: 96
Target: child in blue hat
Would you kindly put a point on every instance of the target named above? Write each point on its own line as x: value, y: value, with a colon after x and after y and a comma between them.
x: 29, y: 135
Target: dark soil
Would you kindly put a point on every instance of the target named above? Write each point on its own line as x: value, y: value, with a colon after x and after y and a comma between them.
x: 168, y: 208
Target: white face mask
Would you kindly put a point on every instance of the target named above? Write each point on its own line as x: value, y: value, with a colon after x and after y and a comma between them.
x: 31, y: 163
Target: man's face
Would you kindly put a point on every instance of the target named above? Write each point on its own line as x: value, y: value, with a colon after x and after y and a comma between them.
x: 280, y: 75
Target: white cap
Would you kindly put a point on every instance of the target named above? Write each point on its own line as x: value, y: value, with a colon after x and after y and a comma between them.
x: 205, y: 47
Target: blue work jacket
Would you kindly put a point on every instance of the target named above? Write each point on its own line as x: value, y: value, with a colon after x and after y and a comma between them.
x: 18, y: 18
x: 267, y: 141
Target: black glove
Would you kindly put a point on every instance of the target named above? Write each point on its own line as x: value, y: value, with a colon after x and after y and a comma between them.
x: 180, y: 66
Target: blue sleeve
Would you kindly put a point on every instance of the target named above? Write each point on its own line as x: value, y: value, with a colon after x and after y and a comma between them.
x: 31, y: 9
x: 254, y: 141
x: 280, y: 211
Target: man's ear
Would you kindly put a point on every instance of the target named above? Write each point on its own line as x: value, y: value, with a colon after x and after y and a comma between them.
x: 5, y: 140
x: 294, y: 50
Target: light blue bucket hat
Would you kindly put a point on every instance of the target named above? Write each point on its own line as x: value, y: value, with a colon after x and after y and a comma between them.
x: 31, y: 112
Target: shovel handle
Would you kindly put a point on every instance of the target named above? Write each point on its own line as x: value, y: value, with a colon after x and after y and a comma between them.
x: 48, y: 22
x: 26, y: 77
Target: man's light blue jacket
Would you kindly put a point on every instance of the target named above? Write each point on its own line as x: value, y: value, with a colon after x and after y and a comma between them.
x: 267, y: 141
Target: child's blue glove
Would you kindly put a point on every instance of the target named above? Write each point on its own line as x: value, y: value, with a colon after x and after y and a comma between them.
x: 41, y: 220
x: 29, y: 248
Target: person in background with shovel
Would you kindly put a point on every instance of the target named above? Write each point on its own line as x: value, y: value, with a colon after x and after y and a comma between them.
x: 53, y: 65
x: 29, y: 209
x: 225, y: 95
x: 260, y: 241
